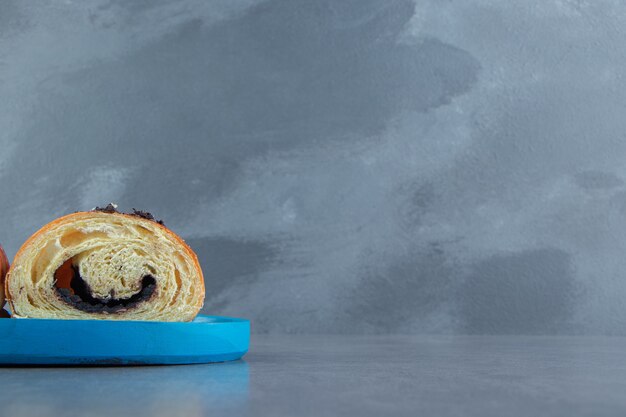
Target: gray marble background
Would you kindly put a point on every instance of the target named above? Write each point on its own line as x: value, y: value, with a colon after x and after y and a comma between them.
x: 339, y: 166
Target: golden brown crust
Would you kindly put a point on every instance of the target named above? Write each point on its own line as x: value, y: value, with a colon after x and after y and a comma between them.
x: 4, y: 268
x: 30, y: 246
x: 59, y: 220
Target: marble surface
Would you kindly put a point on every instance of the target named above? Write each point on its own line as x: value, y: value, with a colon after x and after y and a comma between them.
x: 366, y: 166
x: 347, y: 375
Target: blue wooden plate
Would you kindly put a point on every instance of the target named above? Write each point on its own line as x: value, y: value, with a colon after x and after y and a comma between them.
x: 107, y: 342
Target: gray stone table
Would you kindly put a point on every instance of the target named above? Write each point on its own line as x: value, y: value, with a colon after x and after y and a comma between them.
x: 346, y: 375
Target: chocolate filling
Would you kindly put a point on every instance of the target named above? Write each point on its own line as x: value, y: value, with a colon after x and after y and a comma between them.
x: 79, y: 296
x: 110, y: 208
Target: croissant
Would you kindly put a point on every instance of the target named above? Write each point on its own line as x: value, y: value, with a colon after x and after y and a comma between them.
x: 4, y: 267
x: 104, y: 264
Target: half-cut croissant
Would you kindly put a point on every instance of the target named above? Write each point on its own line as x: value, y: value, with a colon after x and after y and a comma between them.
x: 4, y: 268
x: 105, y: 265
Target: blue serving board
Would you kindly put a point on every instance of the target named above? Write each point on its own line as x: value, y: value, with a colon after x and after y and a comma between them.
x: 107, y: 342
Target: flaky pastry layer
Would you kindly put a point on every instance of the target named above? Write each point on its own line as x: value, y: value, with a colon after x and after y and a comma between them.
x: 107, y: 257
